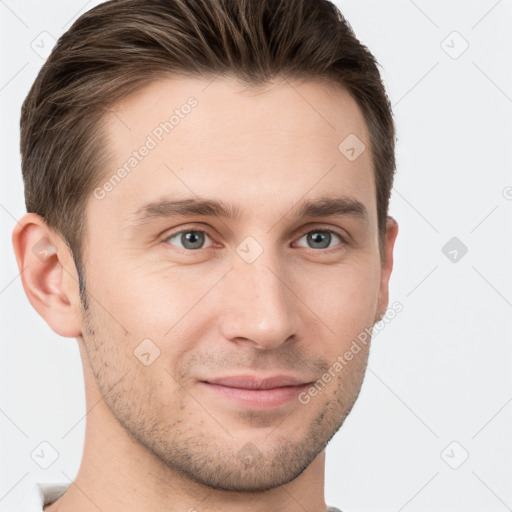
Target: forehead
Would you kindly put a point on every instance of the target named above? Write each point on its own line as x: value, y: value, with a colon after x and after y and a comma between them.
x: 281, y: 107
x: 223, y: 139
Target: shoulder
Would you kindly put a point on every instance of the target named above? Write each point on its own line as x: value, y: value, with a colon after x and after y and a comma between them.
x: 40, y: 494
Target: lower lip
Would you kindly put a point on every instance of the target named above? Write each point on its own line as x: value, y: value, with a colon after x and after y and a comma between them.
x: 262, y: 399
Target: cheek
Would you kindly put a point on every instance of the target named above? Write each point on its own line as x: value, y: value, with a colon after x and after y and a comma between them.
x: 344, y: 297
x: 142, y: 300
x: 163, y: 310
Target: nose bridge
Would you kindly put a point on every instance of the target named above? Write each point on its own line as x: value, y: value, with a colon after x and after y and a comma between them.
x: 261, y: 307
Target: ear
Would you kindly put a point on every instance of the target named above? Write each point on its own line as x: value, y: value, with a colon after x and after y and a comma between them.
x: 386, y: 266
x: 48, y: 274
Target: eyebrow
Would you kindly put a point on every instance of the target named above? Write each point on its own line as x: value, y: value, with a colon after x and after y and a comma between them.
x: 321, y: 207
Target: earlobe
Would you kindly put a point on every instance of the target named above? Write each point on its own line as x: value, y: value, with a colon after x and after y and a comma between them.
x: 48, y: 274
x: 386, y: 266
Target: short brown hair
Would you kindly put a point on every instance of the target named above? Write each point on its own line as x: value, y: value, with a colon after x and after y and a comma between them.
x: 122, y: 45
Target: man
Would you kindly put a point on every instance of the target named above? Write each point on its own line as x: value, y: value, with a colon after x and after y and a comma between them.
x: 207, y: 187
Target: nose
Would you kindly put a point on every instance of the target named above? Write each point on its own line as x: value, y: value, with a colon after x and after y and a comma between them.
x: 259, y: 305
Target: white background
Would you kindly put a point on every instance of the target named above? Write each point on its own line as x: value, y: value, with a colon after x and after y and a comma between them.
x: 440, y: 371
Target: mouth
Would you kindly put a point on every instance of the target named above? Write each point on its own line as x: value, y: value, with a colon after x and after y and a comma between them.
x: 249, y: 391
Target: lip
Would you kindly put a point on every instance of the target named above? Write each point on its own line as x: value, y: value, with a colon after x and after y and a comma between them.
x: 249, y: 391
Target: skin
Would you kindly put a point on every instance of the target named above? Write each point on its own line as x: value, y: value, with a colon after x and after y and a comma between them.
x: 157, y: 438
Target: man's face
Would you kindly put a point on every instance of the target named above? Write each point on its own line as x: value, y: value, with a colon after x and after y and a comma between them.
x: 267, y: 294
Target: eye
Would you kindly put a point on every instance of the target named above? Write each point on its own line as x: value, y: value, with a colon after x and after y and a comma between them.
x: 190, y: 239
x: 194, y: 239
x: 320, y: 238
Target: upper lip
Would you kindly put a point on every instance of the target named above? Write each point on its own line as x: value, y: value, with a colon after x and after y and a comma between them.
x: 253, y: 382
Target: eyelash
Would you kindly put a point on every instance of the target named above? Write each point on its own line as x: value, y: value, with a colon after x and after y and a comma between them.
x: 339, y: 246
